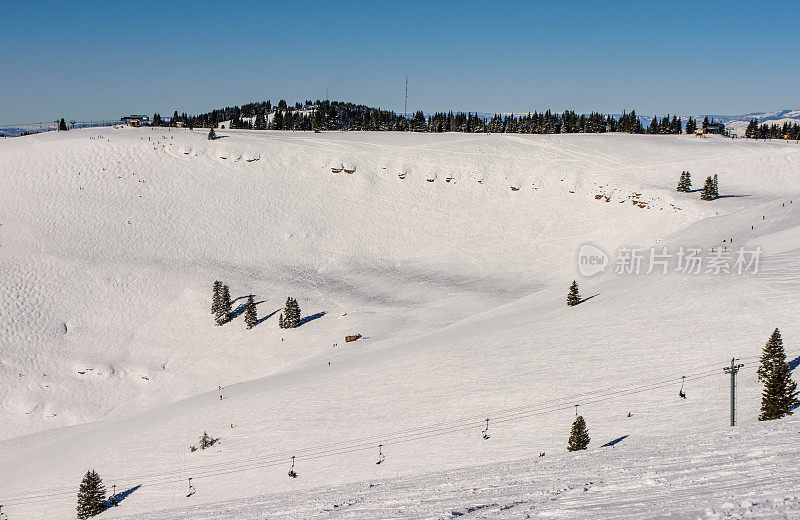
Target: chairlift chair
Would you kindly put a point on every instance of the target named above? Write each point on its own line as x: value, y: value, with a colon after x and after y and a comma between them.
x: 381, y: 456
x: 486, y: 431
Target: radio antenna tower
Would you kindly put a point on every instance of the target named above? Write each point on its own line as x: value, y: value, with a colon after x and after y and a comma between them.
x: 405, y: 105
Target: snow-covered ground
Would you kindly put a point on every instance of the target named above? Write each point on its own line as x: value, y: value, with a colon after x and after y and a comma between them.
x: 740, y: 474
x: 109, y: 357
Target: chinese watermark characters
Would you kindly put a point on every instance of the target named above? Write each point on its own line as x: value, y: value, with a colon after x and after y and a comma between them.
x: 662, y: 260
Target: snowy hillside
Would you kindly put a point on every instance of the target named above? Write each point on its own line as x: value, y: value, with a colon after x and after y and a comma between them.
x: 451, y: 254
x: 742, y: 474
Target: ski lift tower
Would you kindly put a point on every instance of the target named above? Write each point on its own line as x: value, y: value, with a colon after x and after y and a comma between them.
x: 732, y: 370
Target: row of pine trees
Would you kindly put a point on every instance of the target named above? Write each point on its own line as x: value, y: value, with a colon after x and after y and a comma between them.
x: 337, y: 115
x: 222, y: 309
x: 773, y: 131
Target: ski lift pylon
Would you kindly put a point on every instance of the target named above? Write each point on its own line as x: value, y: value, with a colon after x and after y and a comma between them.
x: 381, y: 456
x: 292, y: 472
x: 486, y: 431
x: 192, y: 490
x: 681, y: 393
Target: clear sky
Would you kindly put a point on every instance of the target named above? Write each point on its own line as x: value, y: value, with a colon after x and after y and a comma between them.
x: 100, y: 60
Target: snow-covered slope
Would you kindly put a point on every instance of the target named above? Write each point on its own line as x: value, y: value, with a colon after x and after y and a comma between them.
x: 109, y: 358
x: 740, y: 474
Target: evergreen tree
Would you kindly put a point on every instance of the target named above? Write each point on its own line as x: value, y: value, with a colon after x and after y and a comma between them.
x: 579, y: 436
x: 688, y: 183
x: 216, y: 299
x: 675, y: 125
x: 206, y: 441
x: 780, y: 394
x: 707, y: 193
x: 780, y: 391
x: 716, y: 186
x: 752, y: 128
x: 573, y: 296
x: 691, y: 125
x: 91, y: 495
x: 225, y: 305
x: 772, y: 355
x: 211, y: 135
x: 290, y: 318
x: 250, y: 316
x: 682, y: 182
x: 654, y: 127
x: 62, y: 126
x: 277, y: 120
x: 260, y: 123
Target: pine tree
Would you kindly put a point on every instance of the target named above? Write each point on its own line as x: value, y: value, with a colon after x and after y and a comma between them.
x: 665, y: 127
x: 573, y: 296
x: 780, y: 391
x: 688, y: 184
x: 211, y: 135
x: 225, y: 305
x: 291, y: 314
x: 206, y: 441
x: 716, y: 186
x: 260, y: 123
x: 772, y: 355
x: 691, y: 125
x: 707, y: 193
x: 250, y: 315
x: 281, y: 321
x: 654, y: 127
x: 91, y: 496
x: 62, y: 126
x: 682, y: 182
x: 579, y: 436
x: 216, y: 299
x: 780, y: 394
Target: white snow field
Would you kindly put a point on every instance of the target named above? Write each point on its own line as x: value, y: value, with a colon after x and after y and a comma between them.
x: 451, y: 254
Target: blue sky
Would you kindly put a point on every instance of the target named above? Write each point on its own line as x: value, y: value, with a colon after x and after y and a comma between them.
x: 98, y: 60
